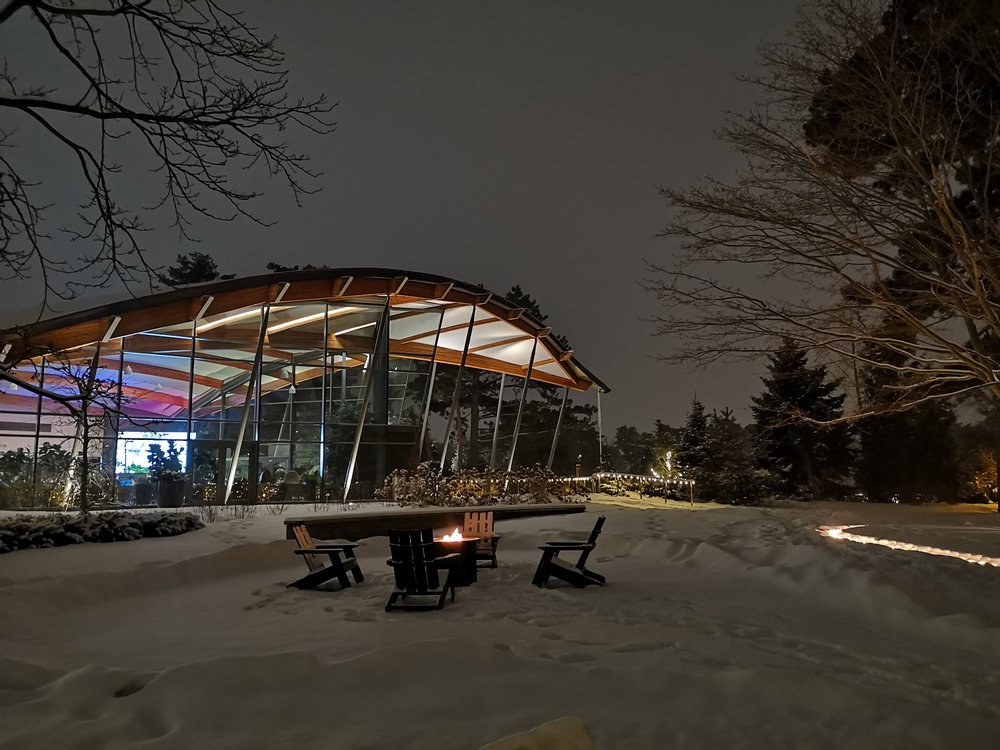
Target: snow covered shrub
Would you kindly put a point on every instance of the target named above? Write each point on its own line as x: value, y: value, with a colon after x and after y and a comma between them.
x: 419, y: 486
x: 59, y: 529
x: 425, y: 486
x: 616, y: 487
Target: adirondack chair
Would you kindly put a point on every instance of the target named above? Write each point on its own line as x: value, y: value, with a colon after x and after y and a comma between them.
x: 340, y: 560
x: 574, y: 573
x: 480, y: 524
x: 418, y: 571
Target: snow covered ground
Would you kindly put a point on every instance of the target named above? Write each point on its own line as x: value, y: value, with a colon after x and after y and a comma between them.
x: 719, y: 628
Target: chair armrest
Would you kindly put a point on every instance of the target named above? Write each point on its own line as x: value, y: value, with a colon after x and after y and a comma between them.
x: 446, y: 558
x: 318, y: 551
x: 338, y: 545
x: 567, y: 545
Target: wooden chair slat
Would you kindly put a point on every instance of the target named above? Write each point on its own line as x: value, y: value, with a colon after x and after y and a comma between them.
x: 480, y: 524
x: 416, y: 570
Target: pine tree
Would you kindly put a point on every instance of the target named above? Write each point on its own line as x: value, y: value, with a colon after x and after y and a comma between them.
x: 691, y: 448
x: 727, y: 473
x: 635, y: 448
x: 903, y: 455
x: 192, y: 268
x: 909, y: 456
x: 804, y: 456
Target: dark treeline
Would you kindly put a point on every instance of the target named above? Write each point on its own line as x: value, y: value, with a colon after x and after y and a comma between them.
x: 800, y: 445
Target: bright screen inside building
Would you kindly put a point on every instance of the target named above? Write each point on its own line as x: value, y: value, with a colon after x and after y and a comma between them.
x: 133, y: 449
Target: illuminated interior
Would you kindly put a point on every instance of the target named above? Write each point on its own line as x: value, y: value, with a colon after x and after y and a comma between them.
x: 277, y: 370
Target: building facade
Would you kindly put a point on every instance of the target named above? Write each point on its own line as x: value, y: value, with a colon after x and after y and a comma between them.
x: 315, y: 382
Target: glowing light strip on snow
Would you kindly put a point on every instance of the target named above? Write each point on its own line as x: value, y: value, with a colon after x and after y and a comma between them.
x: 840, y: 532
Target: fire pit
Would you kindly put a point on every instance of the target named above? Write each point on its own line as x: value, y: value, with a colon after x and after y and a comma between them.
x: 465, y: 571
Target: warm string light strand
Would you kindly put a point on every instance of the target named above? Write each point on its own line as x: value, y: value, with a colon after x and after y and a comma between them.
x: 840, y: 532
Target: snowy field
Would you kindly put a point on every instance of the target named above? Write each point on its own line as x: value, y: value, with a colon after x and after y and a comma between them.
x: 719, y: 628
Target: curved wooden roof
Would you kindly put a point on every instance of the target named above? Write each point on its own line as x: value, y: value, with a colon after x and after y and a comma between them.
x: 501, y: 339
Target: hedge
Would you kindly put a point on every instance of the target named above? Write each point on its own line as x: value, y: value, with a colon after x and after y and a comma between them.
x: 59, y: 529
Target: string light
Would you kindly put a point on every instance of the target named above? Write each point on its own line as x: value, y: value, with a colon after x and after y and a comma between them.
x: 840, y: 532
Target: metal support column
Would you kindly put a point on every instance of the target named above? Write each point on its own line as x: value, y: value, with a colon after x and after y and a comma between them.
x: 251, y: 389
x: 496, y: 422
x: 327, y: 373
x: 369, y: 380
x: 191, y: 371
x: 343, y: 378
x: 290, y: 405
x: 188, y: 453
x: 453, y: 414
x: 379, y: 364
x: 600, y: 443
x: 430, y: 388
x: 112, y: 452
x: 520, y: 406
x: 555, y: 435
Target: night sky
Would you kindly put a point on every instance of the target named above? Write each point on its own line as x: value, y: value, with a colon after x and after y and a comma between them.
x: 509, y: 143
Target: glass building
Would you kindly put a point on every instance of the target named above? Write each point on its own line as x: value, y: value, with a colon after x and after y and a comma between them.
x: 318, y: 383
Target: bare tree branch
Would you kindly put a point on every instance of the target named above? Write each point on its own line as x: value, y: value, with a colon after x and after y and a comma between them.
x: 195, y: 90
x: 865, y: 221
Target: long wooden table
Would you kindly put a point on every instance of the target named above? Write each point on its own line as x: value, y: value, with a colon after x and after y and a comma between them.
x: 354, y: 525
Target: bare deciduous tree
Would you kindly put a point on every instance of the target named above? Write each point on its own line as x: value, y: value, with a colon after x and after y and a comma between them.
x: 94, y: 405
x: 178, y: 93
x: 866, y: 220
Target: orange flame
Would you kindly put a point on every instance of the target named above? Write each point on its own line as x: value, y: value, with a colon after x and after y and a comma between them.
x: 455, y: 536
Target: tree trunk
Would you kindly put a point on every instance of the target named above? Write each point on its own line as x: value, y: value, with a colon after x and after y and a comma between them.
x: 85, y: 464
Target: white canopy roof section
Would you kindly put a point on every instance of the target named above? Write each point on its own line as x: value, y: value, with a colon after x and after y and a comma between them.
x: 308, y: 314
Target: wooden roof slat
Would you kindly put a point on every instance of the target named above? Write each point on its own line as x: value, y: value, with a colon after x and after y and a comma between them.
x: 180, y: 306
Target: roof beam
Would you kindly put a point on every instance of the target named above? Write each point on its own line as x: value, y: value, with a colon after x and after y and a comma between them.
x: 446, y: 329
x: 502, y: 342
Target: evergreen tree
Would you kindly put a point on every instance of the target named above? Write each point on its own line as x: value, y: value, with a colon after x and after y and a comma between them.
x: 635, y: 449
x: 521, y: 298
x: 664, y: 443
x: 192, y: 268
x: 281, y: 268
x: 909, y: 456
x: 727, y: 472
x: 904, y: 455
x: 691, y: 447
x: 803, y: 455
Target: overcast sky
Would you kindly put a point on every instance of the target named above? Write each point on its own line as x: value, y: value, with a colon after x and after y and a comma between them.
x: 511, y: 143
